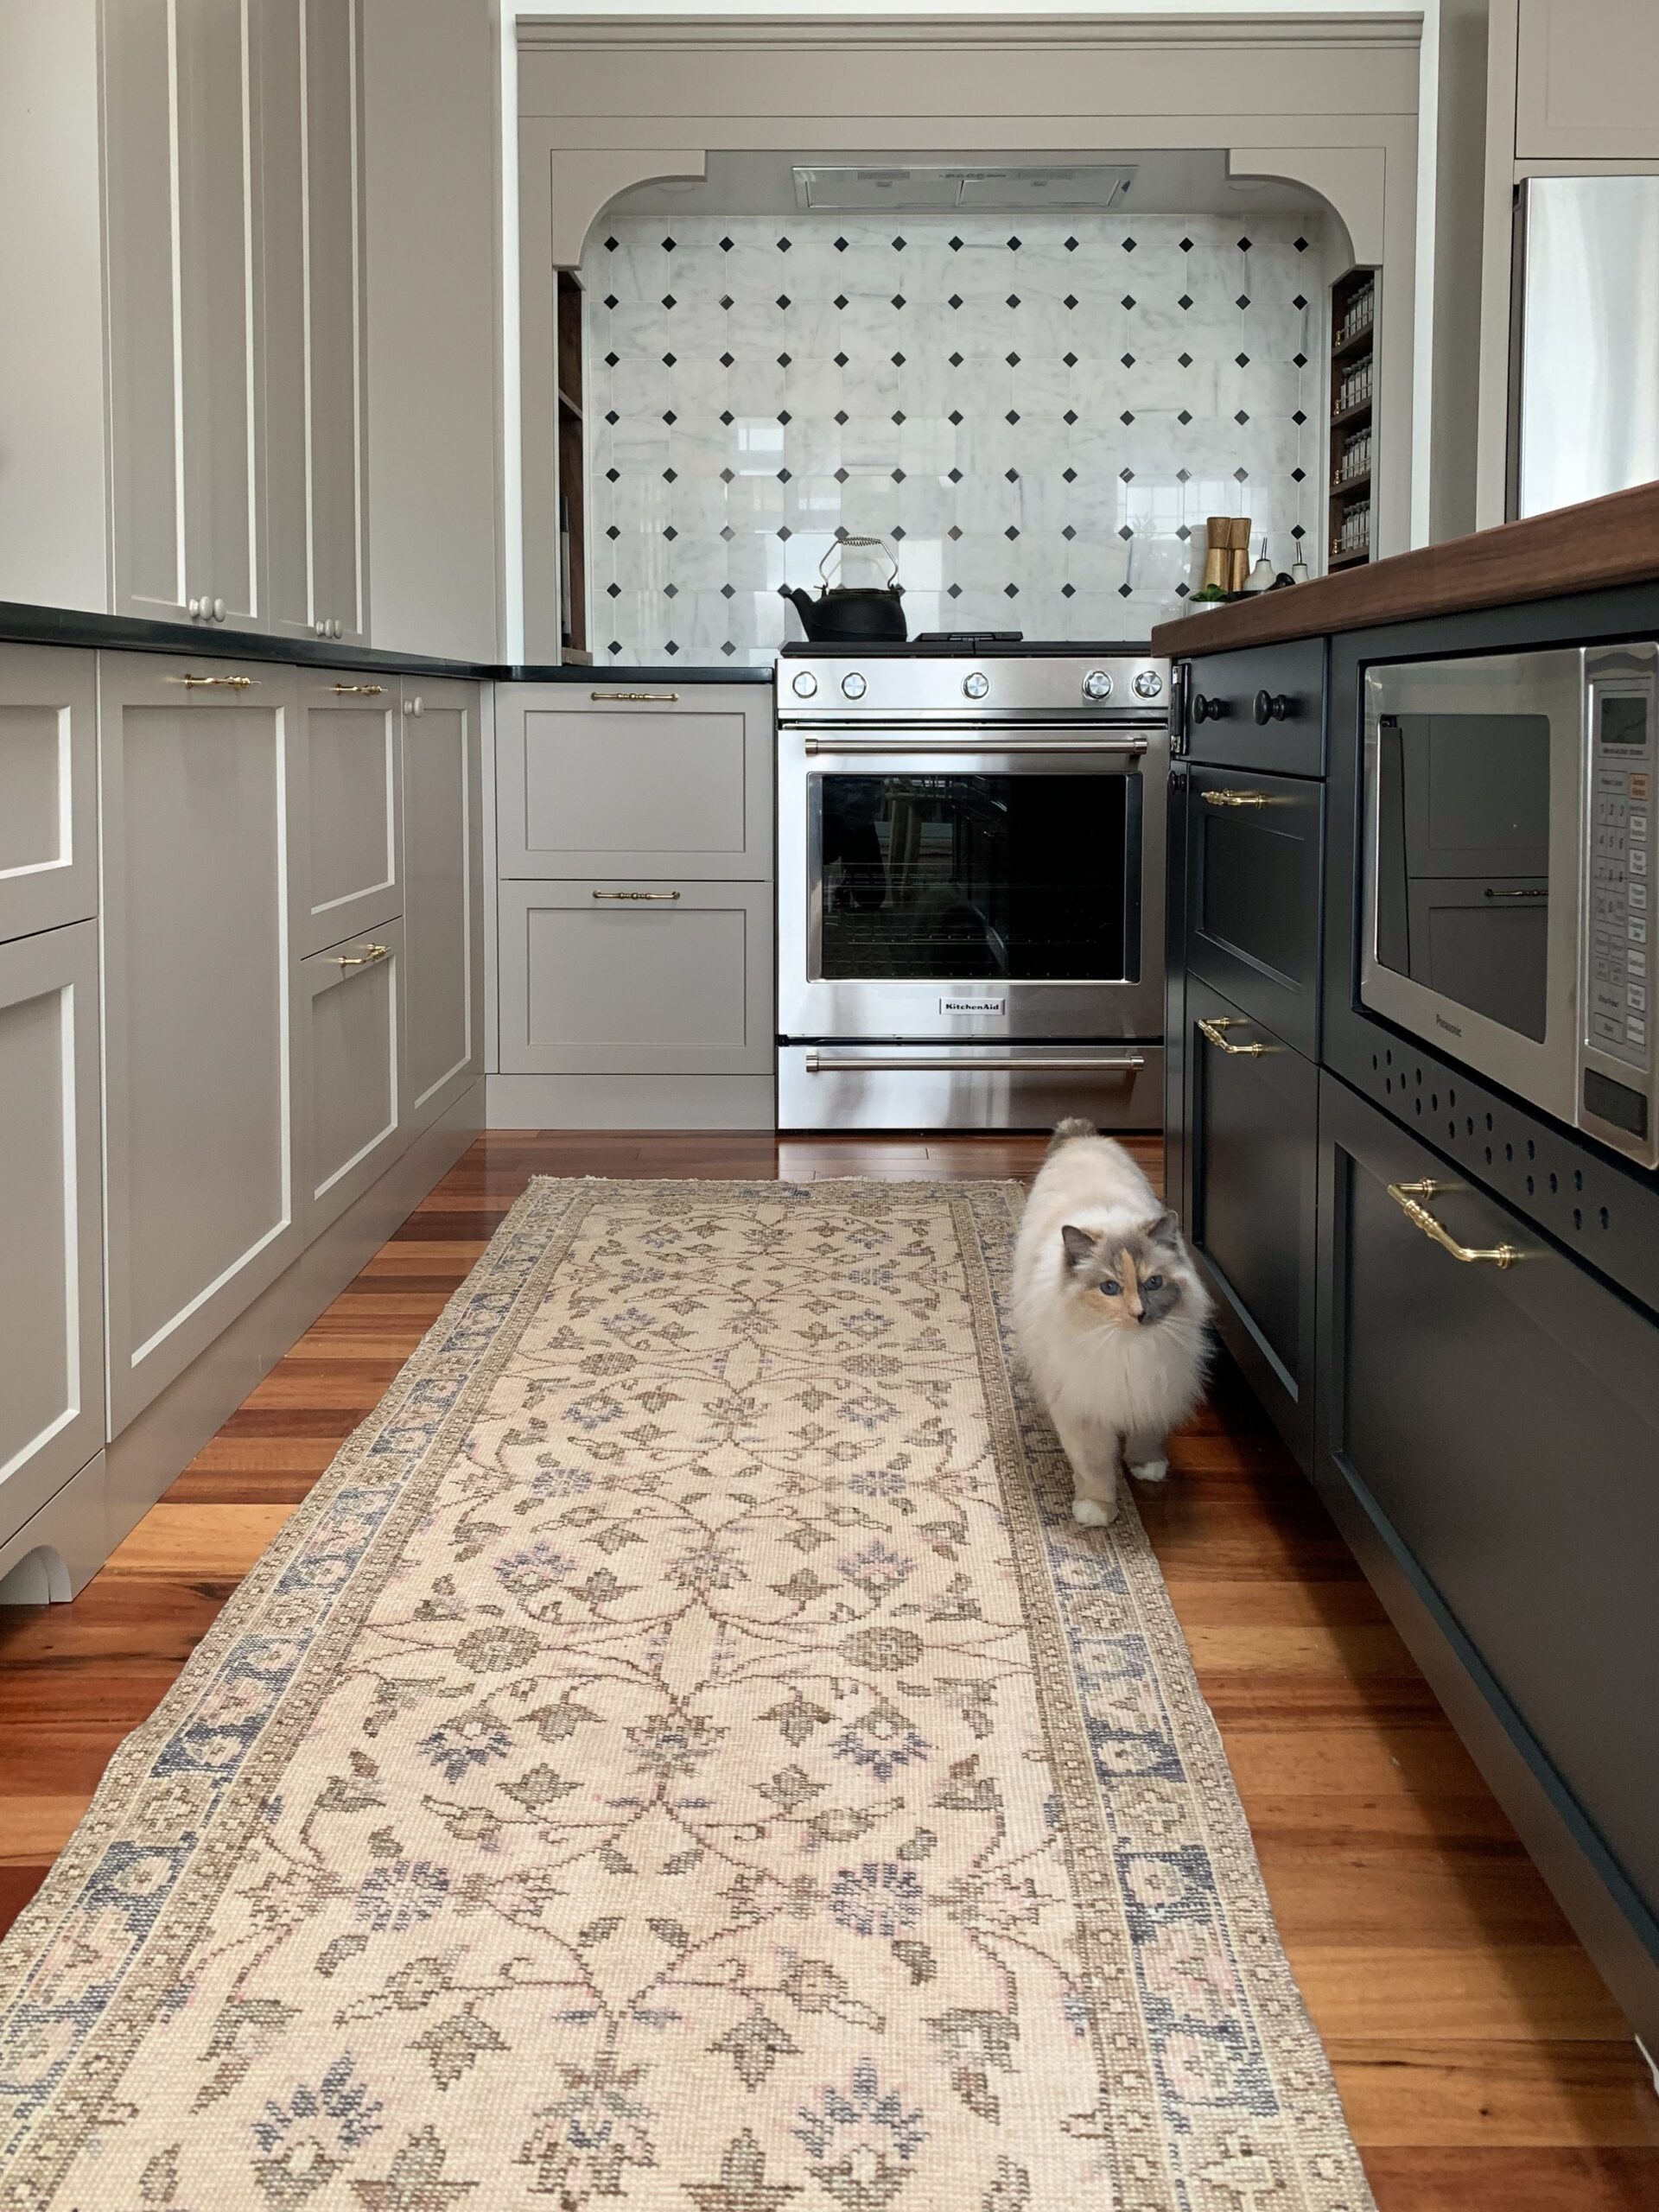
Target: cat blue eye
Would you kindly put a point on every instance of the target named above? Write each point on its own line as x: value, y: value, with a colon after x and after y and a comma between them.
x: 1110, y: 1288
x: 1152, y: 1282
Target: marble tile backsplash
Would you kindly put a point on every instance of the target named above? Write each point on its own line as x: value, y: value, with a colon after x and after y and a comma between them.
x: 1037, y: 415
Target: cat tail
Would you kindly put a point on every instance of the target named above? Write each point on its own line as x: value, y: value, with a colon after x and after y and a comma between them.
x: 1064, y: 1131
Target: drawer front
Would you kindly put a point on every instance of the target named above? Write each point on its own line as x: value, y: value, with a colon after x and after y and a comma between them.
x: 354, y: 1083
x: 621, y: 978
x: 1501, y: 1424
x: 1252, y: 895
x: 1260, y: 708
x: 48, y: 788
x: 351, y: 772
x: 1252, y: 1159
x: 610, y: 782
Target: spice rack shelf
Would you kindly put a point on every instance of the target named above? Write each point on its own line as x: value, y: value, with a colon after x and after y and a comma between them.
x: 1353, y: 327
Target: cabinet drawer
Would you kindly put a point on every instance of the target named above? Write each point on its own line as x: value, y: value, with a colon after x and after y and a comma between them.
x: 1260, y: 708
x: 351, y: 777
x: 1253, y: 895
x: 354, y: 1083
x: 1251, y: 1167
x: 48, y: 788
x: 636, y: 979
x: 649, y: 784
x: 1500, y: 1426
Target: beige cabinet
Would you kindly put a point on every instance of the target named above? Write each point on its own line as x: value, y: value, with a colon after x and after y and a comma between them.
x: 443, y: 914
x: 48, y: 788
x: 349, y: 781
x: 51, y: 1282
x: 1585, y: 71
x: 199, y: 853
x: 636, y: 978
x: 353, y: 1122
x: 598, y: 781
x: 314, y: 534
x: 182, y: 152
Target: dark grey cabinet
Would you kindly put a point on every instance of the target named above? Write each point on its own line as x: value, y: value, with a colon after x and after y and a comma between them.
x: 1253, y: 895
x: 1489, y: 1438
x: 1261, y: 706
x: 1251, y: 1126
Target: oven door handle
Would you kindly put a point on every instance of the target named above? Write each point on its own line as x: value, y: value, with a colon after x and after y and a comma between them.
x: 982, y: 1063
x: 1122, y: 746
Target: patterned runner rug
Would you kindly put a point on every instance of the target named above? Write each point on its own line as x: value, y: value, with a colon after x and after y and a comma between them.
x: 682, y: 1755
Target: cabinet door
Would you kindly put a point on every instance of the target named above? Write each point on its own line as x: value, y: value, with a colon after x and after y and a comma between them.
x: 48, y: 788
x: 353, y: 1088
x: 51, y: 1287
x: 1587, y: 70
x: 596, y: 782
x: 1261, y: 707
x: 313, y: 288
x: 1498, y: 1428
x: 199, y: 1014
x: 1252, y: 1126
x: 1253, y: 895
x: 443, y: 934
x: 350, y: 774
x: 636, y: 979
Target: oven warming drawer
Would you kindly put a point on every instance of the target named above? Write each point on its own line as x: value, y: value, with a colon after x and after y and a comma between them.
x: 993, y: 1086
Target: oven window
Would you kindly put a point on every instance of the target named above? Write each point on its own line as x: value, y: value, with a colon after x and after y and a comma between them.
x: 965, y: 877
x: 1462, y: 860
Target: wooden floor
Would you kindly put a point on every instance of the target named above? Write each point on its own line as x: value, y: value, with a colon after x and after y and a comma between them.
x: 1482, y: 2062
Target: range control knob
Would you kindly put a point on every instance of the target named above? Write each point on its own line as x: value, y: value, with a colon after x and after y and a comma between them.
x: 852, y: 686
x: 805, y: 683
x: 975, y: 685
x: 1148, y: 684
x: 1097, y: 684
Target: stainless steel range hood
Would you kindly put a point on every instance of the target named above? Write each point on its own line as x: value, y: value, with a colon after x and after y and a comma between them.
x: 982, y: 188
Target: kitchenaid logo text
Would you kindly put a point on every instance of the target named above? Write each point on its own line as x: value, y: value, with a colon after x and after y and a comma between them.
x: 973, y: 1006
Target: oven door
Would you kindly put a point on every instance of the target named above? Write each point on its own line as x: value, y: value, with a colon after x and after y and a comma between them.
x: 1474, y: 809
x: 970, y: 884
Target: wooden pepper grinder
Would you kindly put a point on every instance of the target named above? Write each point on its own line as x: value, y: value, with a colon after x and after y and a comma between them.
x: 1217, y: 562
x: 1238, y: 552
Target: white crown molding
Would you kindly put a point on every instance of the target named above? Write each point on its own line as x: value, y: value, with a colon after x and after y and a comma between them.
x: 683, y: 34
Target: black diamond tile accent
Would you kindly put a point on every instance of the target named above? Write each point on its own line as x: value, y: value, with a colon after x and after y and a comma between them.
x: 728, y: 591
x: 955, y: 300
x: 1010, y: 533
x: 1183, y: 476
x: 897, y: 475
x: 610, y: 245
x: 669, y: 359
x: 898, y: 300
x: 955, y: 474
x: 1296, y: 531
x: 1300, y: 359
x: 671, y: 591
x: 953, y: 591
x: 783, y: 245
x: 729, y: 476
x: 1183, y: 418
x: 1070, y: 416
x: 1298, y: 418
x: 1072, y: 245
x: 671, y: 476
x: 783, y: 299
x: 1240, y: 476
x: 729, y: 648
x: 783, y: 360
x: 1070, y: 360
x: 785, y: 415
x: 1243, y: 359
x: 1184, y: 301
x: 954, y: 360
x: 840, y: 245
x: 728, y: 417
x: 954, y: 415
x: 670, y: 533
x: 1186, y: 245
x: 1011, y: 591
x: 842, y: 416
x: 611, y: 416
x: 612, y: 532
x: 841, y: 475
x: 1011, y: 475
x: 1301, y: 244
x: 1070, y: 301
x: 898, y: 530
x: 614, y: 646
x: 611, y: 360
x: 1128, y: 246
x: 612, y: 475
x: 1129, y: 299
x: 1013, y: 300
x: 1299, y: 301
x: 670, y: 416
x: 1243, y: 246
x: 1126, y: 533
x: 1298, y: 475
x: 613, y: 591
x: 1185, y: 360
x: 1182, y: 591
x: 1070, y: 475
x: 1013, y: 415
x: 1242, y: 417
x: 785, y: 531
x: 669, y: 300
x: 610, y: 299
x: 1013, y: 245
x: 1068, y: 591
x: 841, y: 299
x: 1127, y: 360
x: 1124, y: 592
x: 898, y: 244
x: 1242, y: 300
x: 1126, y: 417
x: 841, y: 360
x: 953, y: 533
x: 898, y: 360
x: 1183, y: 533
x: 726, y: 245
x: 956, y: 245
x: 1013, y: 360
x: 727, y: 302
x: 670, y: 647
x: 1126, y: 476
x: 784, y: 475
x: 727, y: 533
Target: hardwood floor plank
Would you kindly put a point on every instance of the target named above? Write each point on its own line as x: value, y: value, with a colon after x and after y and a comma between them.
x: 1545, y: 1992
x: 1569, y: 2094
x: 1497, y: 2179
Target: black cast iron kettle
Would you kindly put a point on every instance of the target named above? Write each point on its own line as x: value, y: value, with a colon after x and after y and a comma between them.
x: 849, y: 611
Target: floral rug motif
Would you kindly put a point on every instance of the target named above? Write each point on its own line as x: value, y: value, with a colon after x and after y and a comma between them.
x: 682, y: 1755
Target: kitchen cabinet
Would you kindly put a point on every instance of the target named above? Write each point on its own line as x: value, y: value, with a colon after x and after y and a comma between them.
x: 182, y: 210
x: 200, y: 861
x: 443, y: 914
x: 48, y: 788
x: 1258, y: 706
x: 1585, y: 74
x: 648, y: 781
x: 52, y: 1285
x: 1249, y: 1126
x: 1253, y: 875
x: 348, y: 763
x: 1489, y: 1438
x: 640, y: 977
x: 312, y: 231
x: 352, y: 1059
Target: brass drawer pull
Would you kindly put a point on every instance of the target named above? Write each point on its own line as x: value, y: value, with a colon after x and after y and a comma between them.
x: 650, y: 695
x: 220, y: 683
x: 1406, y: 1196
x: 1227, y: 797
x: 638, y: 896
x: 360, y: 691
x: 1215, y: 1032
x: 362, y: 959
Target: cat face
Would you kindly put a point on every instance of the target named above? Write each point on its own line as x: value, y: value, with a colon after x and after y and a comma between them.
x: 1130, y: 1282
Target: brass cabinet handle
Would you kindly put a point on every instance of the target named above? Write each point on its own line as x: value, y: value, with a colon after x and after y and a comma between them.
x: 1228, y: 798
x: 635, y: 695
x: 1215, y: 1032
x: 221, y: 683
x: 640, y: 896
x: 360, y: 691
x: 1406, y: 1196
x: 361, y: 959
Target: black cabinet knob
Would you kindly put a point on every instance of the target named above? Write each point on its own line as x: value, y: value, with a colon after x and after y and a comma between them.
x: 1271, y: 706
x: 1209, y: 710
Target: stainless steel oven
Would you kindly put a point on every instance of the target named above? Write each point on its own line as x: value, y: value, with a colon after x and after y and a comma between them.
x: 971, y: 886
x: 1508, y: 830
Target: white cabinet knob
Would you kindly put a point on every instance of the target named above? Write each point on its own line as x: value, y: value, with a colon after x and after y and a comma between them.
x: 219, y: 610
x: 321, y: 628
x: 415, y: 706
x: 195, y: 610
x: 339, y: 627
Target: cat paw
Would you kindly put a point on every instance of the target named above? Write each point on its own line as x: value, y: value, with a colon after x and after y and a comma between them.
x: 1151, y: 1470
x: 1090, y: 1512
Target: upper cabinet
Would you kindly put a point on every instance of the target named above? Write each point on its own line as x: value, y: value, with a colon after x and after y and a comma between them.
x: 233, y: 244
x: 1585, y: 75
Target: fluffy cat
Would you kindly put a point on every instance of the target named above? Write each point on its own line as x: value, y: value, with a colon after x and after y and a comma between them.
x: 1112, y: 1318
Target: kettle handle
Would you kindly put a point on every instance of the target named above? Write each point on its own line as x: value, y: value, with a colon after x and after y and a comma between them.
x: 835, y: 553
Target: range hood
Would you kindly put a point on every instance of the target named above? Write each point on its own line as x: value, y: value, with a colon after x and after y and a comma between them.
x: 983, y: 187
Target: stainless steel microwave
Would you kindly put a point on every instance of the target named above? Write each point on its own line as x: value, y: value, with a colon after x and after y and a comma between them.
x: 1510, y: 823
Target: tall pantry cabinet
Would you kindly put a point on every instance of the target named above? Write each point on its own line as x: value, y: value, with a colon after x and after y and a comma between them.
x: 233, y: 254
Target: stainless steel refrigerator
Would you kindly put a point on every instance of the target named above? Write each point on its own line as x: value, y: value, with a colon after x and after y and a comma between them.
x: 1584, y: 402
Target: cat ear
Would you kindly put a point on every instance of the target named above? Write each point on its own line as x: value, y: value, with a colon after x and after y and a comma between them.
x: 1166, y: 1230
x: 1079, y: 1244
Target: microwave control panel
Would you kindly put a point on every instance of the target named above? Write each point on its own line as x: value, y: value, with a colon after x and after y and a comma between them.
x: 1622, y: 770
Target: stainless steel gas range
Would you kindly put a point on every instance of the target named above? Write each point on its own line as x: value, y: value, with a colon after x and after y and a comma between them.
x: 971, y: 886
